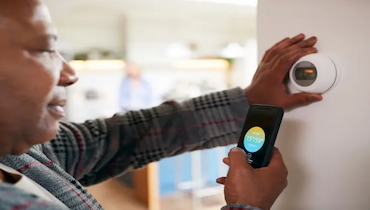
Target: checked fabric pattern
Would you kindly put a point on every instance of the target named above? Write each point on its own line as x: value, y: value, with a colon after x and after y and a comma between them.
x: 239, y: 207
x: 92, y: 152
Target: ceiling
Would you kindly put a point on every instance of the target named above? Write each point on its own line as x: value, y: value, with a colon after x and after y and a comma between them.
x: 129, y: 8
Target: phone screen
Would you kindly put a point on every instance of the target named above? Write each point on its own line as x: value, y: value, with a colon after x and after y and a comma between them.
x: 257, y: 132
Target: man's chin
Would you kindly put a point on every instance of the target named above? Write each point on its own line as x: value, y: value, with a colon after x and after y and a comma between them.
x: 27, y: 145
x: 47, y: 131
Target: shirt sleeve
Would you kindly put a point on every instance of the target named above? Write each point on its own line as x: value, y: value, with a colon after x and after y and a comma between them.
x: 239, y: 207
x: 14, y: 198
x: 100, y: 149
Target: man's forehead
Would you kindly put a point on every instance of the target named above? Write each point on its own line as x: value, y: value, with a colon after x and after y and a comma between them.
x: 25, y: 10
x: 30, y: 15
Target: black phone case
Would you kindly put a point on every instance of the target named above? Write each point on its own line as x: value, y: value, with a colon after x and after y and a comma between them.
x: 274, y: 132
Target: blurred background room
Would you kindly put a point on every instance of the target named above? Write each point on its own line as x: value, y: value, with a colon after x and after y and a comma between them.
x: 135, y: 54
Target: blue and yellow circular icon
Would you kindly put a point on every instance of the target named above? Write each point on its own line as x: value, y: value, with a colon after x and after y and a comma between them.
x: 254, y: 139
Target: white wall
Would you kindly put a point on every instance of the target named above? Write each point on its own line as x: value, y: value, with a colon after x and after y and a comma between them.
x: 326, y: 145
x: 92, y: 28
x: 146, y: 34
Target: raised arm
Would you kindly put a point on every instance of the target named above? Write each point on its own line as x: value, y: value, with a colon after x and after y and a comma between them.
x: 99, y: 149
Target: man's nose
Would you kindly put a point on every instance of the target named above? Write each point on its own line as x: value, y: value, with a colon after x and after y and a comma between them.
x: 67, y: 75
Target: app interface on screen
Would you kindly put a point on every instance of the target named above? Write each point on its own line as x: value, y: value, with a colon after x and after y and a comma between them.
x: 256, y: 133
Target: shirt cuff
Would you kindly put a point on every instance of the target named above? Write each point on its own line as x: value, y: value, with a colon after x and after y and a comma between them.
x: 240, y: 207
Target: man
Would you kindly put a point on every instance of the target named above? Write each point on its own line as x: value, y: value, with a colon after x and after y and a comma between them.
x: 40, y: 174
x: 135, y: 92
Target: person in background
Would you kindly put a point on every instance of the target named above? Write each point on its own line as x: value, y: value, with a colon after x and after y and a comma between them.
x: 135, y: 91
x: 46, y: 164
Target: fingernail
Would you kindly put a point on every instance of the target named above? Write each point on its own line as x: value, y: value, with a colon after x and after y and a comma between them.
x: 298, y: 36
x: 235, y: 149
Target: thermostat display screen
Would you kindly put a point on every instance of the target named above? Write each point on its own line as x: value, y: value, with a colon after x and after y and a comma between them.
x: 305, y: 73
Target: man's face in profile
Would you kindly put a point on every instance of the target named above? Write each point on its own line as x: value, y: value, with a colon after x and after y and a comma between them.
x: 33, y: 76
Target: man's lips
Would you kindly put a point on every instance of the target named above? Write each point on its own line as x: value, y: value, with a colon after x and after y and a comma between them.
x: 57, y: 111
x: 56, y: 108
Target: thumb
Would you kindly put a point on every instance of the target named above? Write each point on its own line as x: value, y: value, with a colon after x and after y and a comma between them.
x: 237, y: 158
x: 302, y: 99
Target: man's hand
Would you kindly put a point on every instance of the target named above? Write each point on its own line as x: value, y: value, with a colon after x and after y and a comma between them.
x: 268, y: 86
x: 257, y: 187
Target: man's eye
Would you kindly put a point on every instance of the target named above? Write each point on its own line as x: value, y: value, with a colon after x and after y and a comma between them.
x: 49, y: 53
x: 43, y: 52
x: 46, y: 51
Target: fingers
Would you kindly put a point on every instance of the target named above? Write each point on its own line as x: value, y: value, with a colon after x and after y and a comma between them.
x: 238, y: 160
x: 270, y: 54
x: 276, y: 161
x: 276, y: 158
x: 301, y: 99
x: 237, y: 157
x: 277, y: 167
x: 286, y: 59
x: 310, y: 42
x: 221, y: 180
x: 226, y: 161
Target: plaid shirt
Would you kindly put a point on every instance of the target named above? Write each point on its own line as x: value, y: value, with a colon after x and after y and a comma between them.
x: 92, y: 152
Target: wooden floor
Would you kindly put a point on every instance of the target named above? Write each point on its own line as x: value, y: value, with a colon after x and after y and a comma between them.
x: 113, y: 195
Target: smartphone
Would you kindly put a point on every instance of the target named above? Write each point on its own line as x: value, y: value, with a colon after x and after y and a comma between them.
x: 259, y: 133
